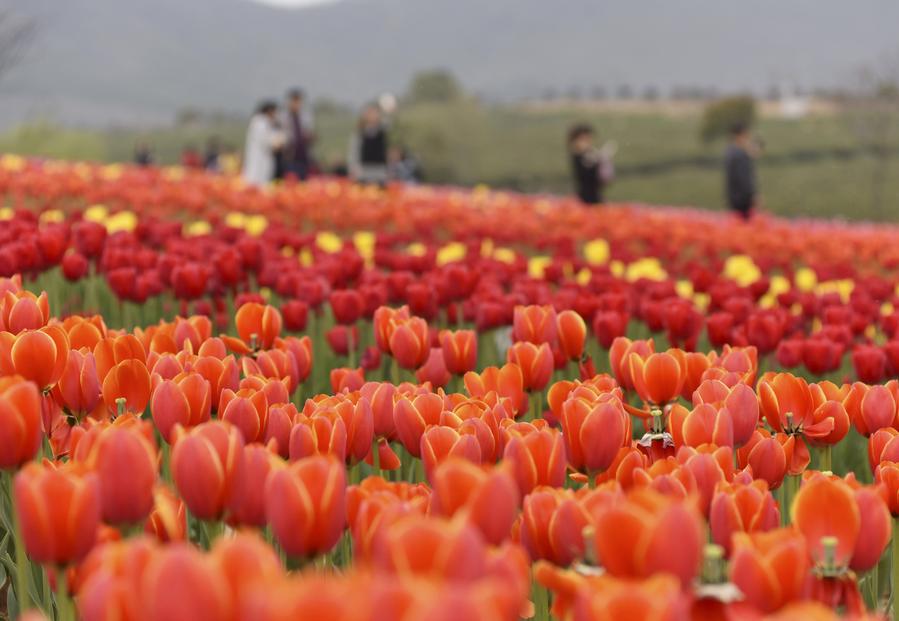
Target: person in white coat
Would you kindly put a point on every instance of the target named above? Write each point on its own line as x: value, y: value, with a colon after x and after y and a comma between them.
x: 264, y: 137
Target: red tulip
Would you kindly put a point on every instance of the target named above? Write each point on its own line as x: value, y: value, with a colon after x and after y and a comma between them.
x: 347, y: 306
x: 247, y: 410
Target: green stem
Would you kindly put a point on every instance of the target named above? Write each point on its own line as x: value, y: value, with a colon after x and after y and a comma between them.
x: 375, y: 457
x: 64, y: 603
x: 23, y: 566
x: 213, y: 530
x: 351, y: 348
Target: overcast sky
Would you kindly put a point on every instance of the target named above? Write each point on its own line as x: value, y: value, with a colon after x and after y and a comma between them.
x: 294, y: 3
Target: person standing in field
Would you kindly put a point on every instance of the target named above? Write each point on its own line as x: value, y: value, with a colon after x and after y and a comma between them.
x: 297, y: 158
x: 739, y: 172
x: 367, y: 156
x: 264, y: 138
x: 592, y: 168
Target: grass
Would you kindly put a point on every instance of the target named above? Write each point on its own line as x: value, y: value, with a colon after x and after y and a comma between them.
x: 523, y: 148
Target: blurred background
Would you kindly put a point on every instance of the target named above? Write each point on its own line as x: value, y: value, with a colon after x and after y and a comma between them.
x: 486, y: 89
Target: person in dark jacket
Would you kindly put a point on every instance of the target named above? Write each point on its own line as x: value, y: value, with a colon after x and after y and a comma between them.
x: 297, y: 157
x: 367, y: 157
x: 739, y: 172
x: 591, y: 167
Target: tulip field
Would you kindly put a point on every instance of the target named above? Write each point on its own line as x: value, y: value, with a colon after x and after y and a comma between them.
x: 331, y: 402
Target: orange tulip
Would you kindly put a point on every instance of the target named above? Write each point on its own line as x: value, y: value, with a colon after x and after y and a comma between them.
x: 381, y: 397
x: 115, y: 349
x: 619, y: 358
x: 594, y: 432
x: 244, y: 560
x: 658, y: 598
x: 258, y: 324
x: 274, y: 364
x: 429, y: 547
x: 770, y: 568
x: 873, y: 408
x: 306, y: 505
x: 168, y: 520
x: 58, y: 511
x: 488, y: 499
x: 23, y: 311
x: 204, y: 460
x: 247, y: 504
x: 412, y: 416
x: 695, y: 365
x: 741, y: 403
x: 184, y: 400
x: 84, y: 332
x: 534, y: 324
x: 126, y: 466
x: 434, y: 370
x: 506, y: 381
x: 460, y: 350
x: 376, y: 503
x: 180, y: 584
x: 20, y: 422
x: 129, y: 380
x: 649, y: 533
x: 875, y: 530
x: 825, y: 509
x: 789, y: 406
x: 39, y: 355
x: 247, y: 410
x: 220, y: 373
x: 552, y: 525
x: 281, y: 419
x: 78, y: 388
x: 324, y: 434
x: 705, y: 424
x: 439, y: 443
x: 385, y: 320
x: 535, y: 362
x: 537, y: 458
x: 769, y: 456
x: 572, y: 333
x: 410, y: 343
x: 301, y: 350
x: 886, y: 475
x: 344, y: 379
x: 742, y: 508
x: 658, y: 378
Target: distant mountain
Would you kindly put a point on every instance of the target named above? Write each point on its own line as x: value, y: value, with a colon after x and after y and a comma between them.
x: 138, y: 61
